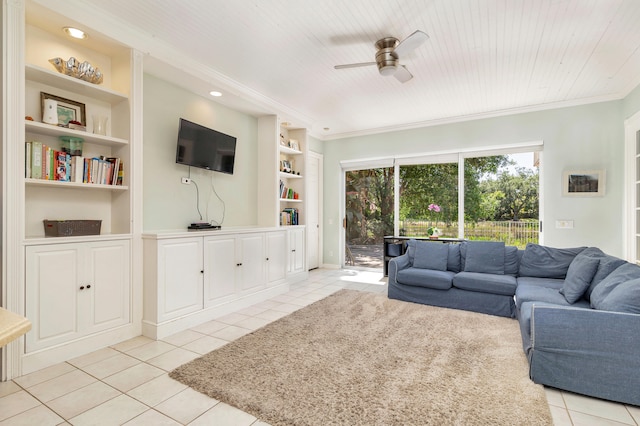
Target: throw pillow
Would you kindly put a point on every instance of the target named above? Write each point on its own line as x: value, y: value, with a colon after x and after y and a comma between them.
x: 624, y: 273
x: 547, y: 262
x: 431, y: 256
x: 579, y: 276
x: 623, y: 298
x: 485, y: 256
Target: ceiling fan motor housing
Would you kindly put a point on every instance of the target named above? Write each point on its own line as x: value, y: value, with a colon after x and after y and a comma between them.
x: 386, y: 59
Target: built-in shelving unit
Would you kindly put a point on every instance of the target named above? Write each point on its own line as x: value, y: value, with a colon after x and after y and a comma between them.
x: 283, y: 156
x: 82, y: 293
x: 47, y: 199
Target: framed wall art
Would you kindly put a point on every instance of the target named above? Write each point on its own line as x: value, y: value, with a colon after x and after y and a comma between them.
x: 68, y: 110
x: 583, y: 183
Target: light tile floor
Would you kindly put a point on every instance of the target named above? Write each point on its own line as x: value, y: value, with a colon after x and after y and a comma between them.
x: 129, y: 384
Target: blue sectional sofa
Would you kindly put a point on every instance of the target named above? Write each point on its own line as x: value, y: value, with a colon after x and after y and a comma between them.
x: 578, y: 308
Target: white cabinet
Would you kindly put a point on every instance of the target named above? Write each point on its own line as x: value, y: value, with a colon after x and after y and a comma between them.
x: 297, y: 255
x: 191, y: 278
x: 76, y: 289
x: 276, y: 256
x: 233, y: 264
x: 179, y: 276
x: 220, y: 269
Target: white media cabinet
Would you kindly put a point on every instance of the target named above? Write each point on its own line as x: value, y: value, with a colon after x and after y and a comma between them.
x: 191, y: 277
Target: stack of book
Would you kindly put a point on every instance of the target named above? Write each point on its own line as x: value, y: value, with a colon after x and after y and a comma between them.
x: 289, y: 216
x: 287, y: 193
x: 44, y: 162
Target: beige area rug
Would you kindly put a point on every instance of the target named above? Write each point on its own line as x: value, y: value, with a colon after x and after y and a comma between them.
x: 359, y: 358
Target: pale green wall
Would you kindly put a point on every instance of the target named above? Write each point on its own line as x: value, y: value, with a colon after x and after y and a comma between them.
x: 584, y: 137
x: 167, y: 203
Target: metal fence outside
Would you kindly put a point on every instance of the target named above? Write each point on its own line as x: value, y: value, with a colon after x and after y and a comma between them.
x: 515, y: 233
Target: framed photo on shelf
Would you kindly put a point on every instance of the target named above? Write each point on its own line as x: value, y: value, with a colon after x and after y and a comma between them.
x: 583, y: 183
x: 68, y: 110
x: 293, y: 144
x: 285, y: 166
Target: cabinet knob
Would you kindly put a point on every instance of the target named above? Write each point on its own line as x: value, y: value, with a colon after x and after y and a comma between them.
x: 238, y: 264
x: 81, y: 287
x: 202, y: 272
x: 292, y: 251
x: 88, y: 285
x: 267, y: 259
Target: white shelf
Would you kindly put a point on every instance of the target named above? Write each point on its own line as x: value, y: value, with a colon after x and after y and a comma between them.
x: 290, y: 151
x: 71, y: 84
x: 51, y: 130
x: 290, y: 200
x: 286, y: 175
x: 64, y: 184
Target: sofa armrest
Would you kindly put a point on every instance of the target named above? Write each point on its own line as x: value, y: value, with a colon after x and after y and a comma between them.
x: 586, y: 351
x: 397, y: 264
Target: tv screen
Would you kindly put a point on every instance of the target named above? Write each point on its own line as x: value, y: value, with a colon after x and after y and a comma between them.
x: 199, y: 146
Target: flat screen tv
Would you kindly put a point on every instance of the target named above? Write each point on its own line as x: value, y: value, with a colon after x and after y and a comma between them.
x: 199, y: 146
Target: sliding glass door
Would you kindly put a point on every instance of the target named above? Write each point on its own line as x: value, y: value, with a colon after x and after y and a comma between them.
x: 368, y: 215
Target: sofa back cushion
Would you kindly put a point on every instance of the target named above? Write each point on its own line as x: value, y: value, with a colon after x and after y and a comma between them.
x: 453, y: 262
x: 623, y: 298
x: 579, y: 276
x: 511, y: 260
x: 485, y: 257
x: 608, y: 264
x: 624, y: 273
x: 431, y: 255
x: 547, y: 262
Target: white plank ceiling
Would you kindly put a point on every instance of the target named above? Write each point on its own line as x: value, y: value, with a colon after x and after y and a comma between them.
x: 483, y: 57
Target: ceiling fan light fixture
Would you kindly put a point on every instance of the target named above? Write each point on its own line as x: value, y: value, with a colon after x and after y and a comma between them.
x: 387, y: 70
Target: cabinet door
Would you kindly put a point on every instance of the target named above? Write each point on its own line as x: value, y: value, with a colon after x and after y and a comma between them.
x: 53, y: 294
x: 179, y: 277
x: 297, y: 251
x: 251, y: 272
x: 276, y: 256
x: 219, y: 269
x: 107, y: 282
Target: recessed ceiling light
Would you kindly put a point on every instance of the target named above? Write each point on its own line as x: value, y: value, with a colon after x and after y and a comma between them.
x: 215, y: 93
x: 75, y: 33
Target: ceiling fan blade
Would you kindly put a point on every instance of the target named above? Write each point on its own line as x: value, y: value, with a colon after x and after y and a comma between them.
x: 361, y: 64
x: 410, y: 43
x: 402, y: 74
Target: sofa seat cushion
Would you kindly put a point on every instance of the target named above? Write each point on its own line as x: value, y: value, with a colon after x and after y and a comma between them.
x: 440, y: 280
x: 547, y: 262
x: 486, y: 283
x: 548, y: 292
x: 541, y: 282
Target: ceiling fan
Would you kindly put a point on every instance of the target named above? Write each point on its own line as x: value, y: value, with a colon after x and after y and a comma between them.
x: 389, y: 51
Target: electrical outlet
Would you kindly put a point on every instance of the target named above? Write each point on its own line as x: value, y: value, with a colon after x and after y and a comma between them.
x: 564, y: 224
x: 186, y: 181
